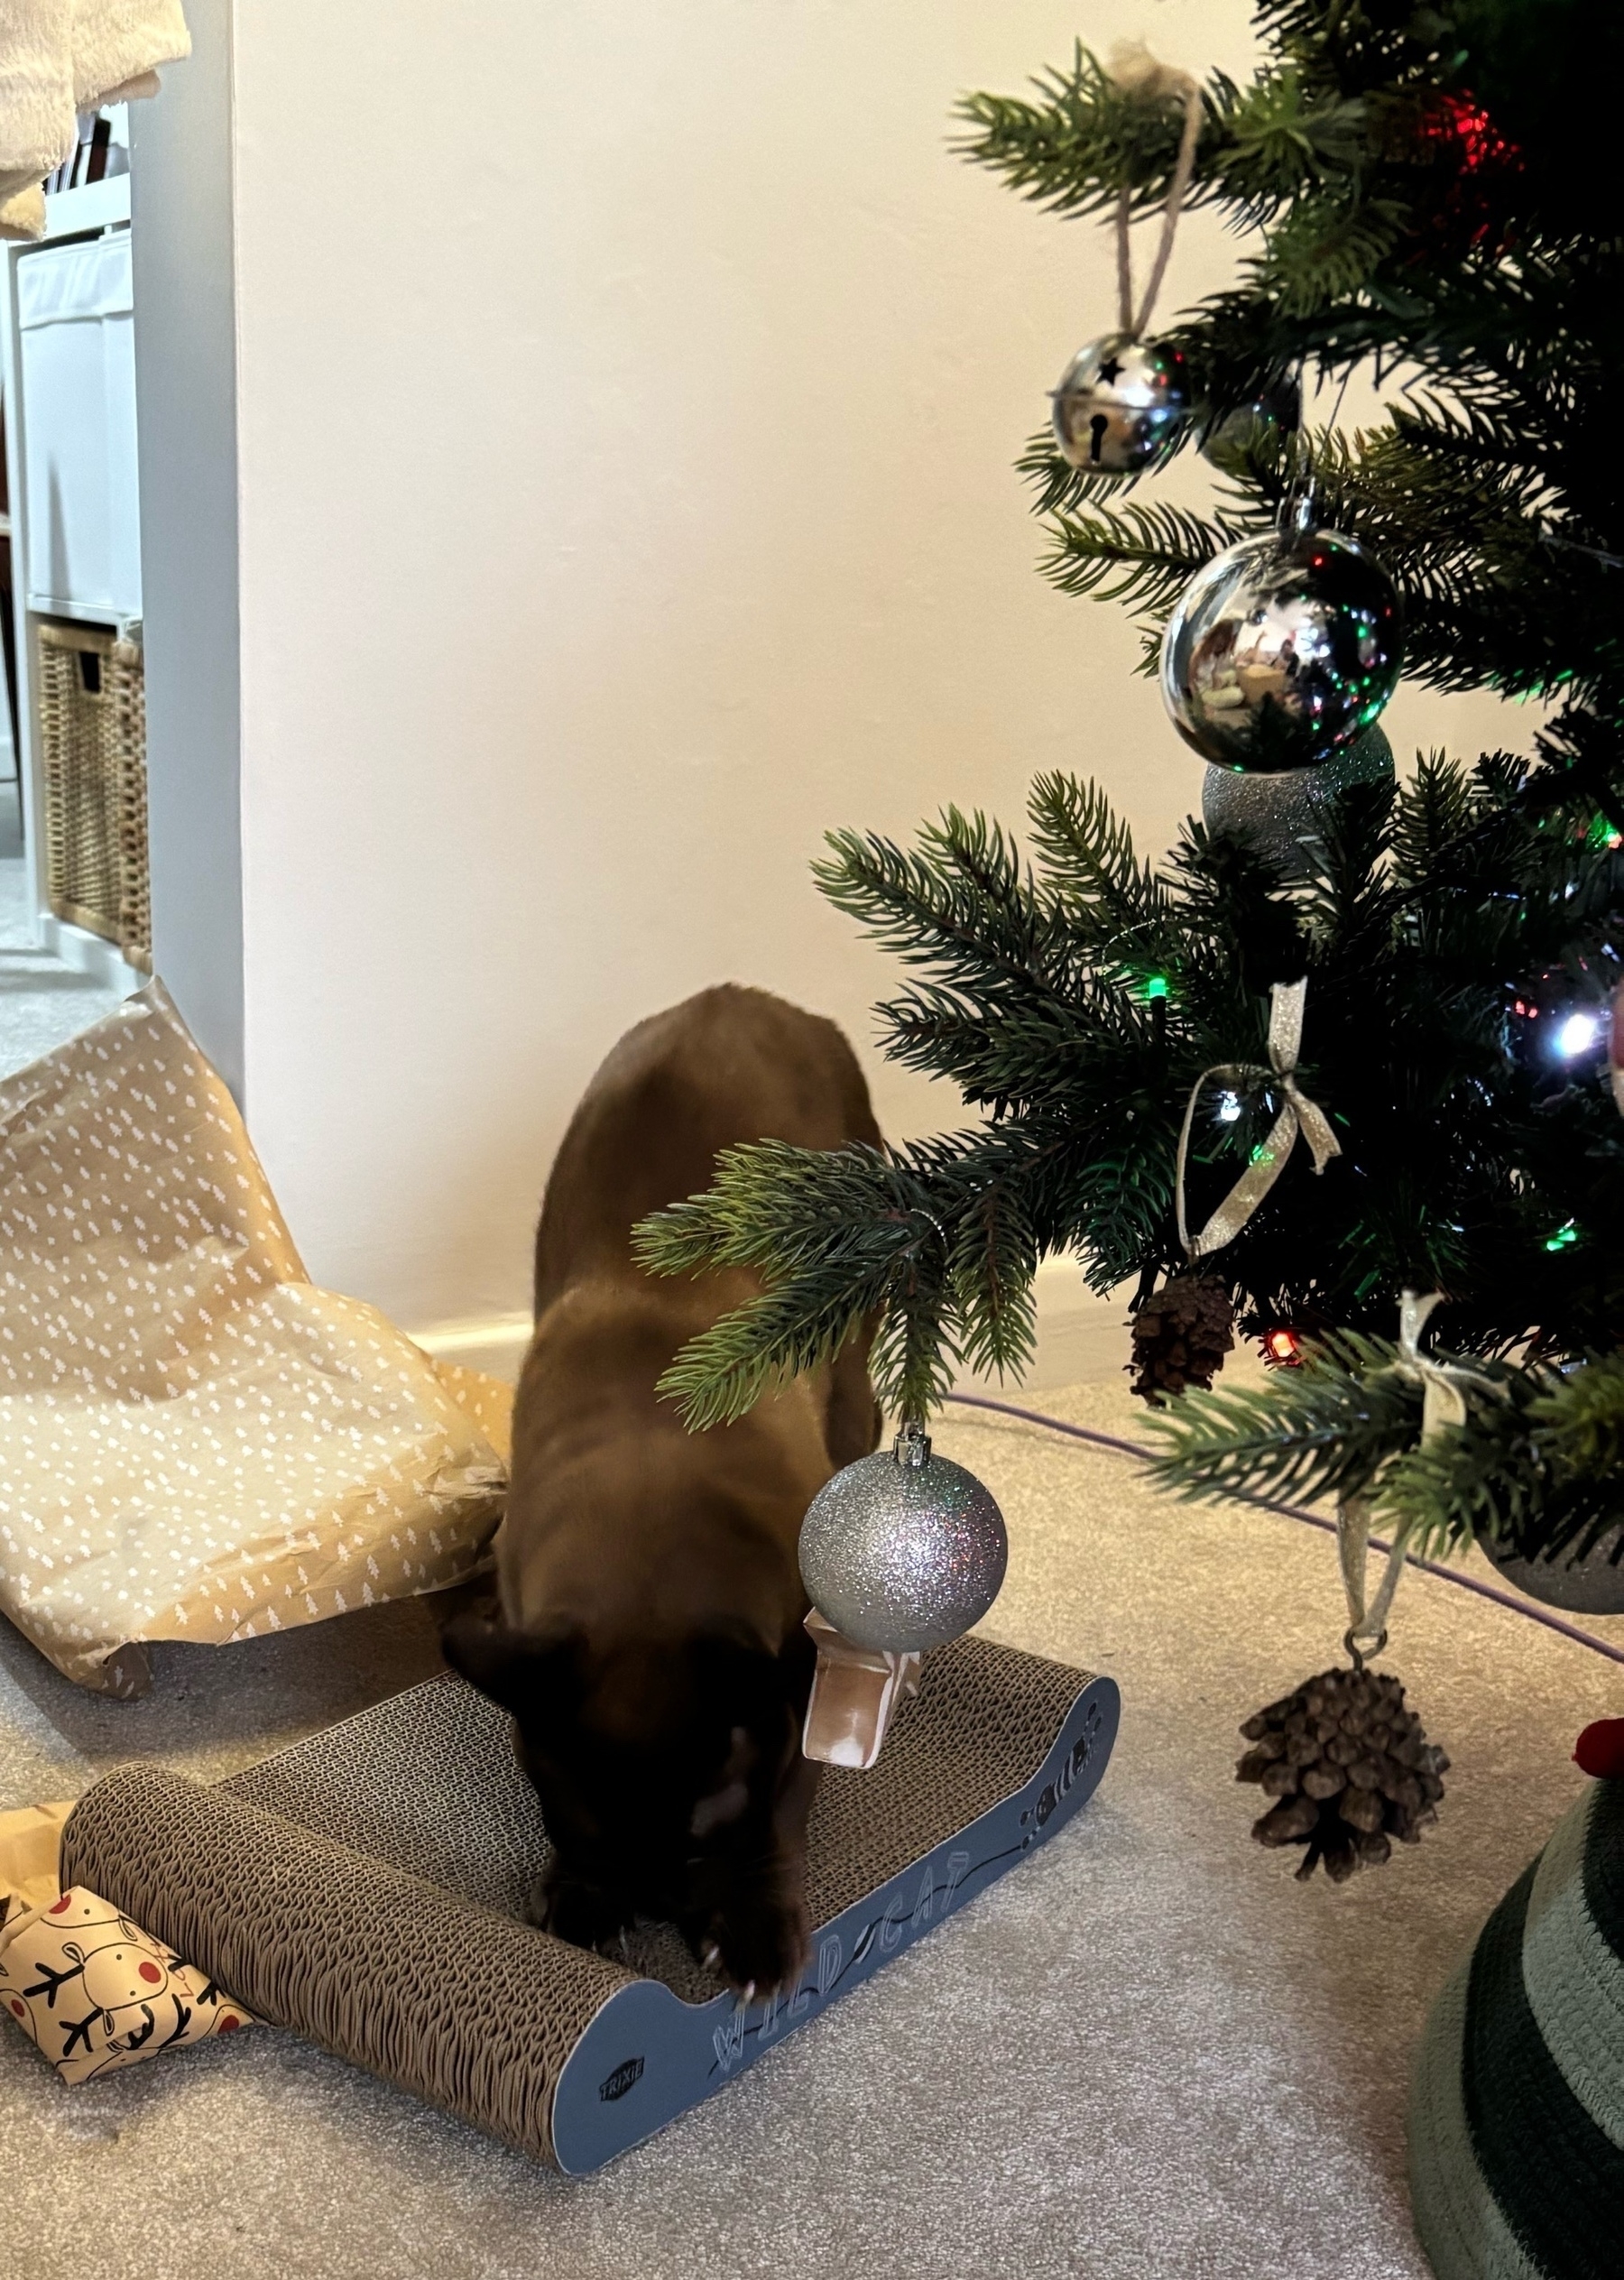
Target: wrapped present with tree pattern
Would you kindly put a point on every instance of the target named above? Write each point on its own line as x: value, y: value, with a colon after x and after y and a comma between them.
x: 200, y: 1442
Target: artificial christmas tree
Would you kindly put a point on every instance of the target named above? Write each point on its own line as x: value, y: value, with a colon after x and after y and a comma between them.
x: 1430, y: 189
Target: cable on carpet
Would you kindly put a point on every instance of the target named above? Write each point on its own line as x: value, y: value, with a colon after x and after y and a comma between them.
x: 1121, y: 1446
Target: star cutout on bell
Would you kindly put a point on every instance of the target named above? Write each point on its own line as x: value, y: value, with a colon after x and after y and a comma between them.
x: 1121, y: 405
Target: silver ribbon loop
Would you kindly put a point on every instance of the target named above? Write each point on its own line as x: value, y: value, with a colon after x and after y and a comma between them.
x: 1352, y: 1543
x: 1444, y: 1385
x: 1297, y: 1115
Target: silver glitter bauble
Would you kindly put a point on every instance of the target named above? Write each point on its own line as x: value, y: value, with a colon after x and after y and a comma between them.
x: 1281, y: 816
x: 1283, y: 649
x: 1593, y: 1585
x: 902, y: 1551
x: 1121, y: 405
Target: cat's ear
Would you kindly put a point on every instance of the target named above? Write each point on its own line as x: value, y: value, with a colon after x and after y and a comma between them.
x: 519, y: 1670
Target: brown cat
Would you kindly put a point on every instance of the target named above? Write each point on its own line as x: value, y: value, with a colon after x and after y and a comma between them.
x: 650, y: 1644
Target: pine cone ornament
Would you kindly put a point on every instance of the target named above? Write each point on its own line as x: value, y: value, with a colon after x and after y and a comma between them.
x: 1180, y: 1336
x: 1350, y: 1767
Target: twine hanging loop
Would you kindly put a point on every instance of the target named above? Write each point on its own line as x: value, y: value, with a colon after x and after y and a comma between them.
x: 1134, y: 69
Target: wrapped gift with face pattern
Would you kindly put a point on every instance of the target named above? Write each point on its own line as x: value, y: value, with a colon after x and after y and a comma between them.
x: 96, y: 1992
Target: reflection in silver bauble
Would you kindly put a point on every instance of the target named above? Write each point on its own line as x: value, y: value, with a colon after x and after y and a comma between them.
x: 1283, y: 649
x: 1121, y: 405
x: 1281, y: 816
x: 1593, y: 1585
x: 903, y: 1550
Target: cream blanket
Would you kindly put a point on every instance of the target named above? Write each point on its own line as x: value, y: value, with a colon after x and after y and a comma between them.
x: 57, y: 58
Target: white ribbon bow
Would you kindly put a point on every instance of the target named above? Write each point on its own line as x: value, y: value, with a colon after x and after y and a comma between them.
x: 1297, y: 1115
x: 1443, y: 1384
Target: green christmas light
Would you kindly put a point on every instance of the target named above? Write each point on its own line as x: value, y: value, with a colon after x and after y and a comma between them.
x: 1565, y: 1236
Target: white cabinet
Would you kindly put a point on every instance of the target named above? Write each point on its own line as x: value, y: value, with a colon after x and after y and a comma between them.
x: 67, y: 370
x: 77, y: 356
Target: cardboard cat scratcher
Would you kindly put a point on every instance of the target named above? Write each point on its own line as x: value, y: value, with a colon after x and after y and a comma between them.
x: 366, y: 1888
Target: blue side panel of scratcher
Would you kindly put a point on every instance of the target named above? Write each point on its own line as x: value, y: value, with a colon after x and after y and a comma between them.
x: 648, y: 2055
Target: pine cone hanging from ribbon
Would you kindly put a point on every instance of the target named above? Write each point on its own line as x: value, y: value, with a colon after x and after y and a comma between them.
x: 1350, y: 1768
x: 1180, y: 1336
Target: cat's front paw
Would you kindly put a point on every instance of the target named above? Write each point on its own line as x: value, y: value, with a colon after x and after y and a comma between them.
x: 757, y: 1940
x: 573, y: 1908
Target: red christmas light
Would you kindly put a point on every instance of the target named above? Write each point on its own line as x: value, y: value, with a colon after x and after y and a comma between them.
x: 1482, y: 144
x: 1282, y: 1347
x: 1460, y: 134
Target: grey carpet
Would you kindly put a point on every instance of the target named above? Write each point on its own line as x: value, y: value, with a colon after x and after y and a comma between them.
x: 42, y: 1001
x: 1146, y: 2052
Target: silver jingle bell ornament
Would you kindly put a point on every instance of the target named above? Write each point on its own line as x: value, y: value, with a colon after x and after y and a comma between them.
x: 903, y: 1550
x: 1283, y: 649
x: 1593, y: 1585
x: 1120, y: 406
x: 1281, y: 816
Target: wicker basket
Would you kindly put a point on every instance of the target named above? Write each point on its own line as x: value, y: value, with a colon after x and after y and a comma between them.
x: 93, y: 747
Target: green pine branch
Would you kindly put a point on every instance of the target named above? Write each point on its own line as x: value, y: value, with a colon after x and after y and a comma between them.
x: 1329, y: 1427
x: 959, y: 904
x: 938, y: 1241
x: 1081, y: 140
x: 1144, y: 554
x: 1538, y: 1468
x: 1329, y: 249
x: 1114, y: 905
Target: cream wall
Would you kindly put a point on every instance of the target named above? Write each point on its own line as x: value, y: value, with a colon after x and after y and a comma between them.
x: 626, y: 400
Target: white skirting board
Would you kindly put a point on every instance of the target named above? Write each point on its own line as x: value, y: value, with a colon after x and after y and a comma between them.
x: 87, y: 953
x: 1080, y: 1338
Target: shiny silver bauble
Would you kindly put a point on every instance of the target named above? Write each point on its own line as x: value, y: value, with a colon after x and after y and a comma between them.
x: 1231, y: 441
x: 1283, y: 649
x: 1121, y: 405
x: 1593, y: 1585
x: 903, y: 1550
x: 1282, y: 816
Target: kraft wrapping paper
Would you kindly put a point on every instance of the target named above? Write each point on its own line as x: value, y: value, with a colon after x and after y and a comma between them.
x: 31, y: 1850
x: 94, y: 1992
x: 196, y: 1442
